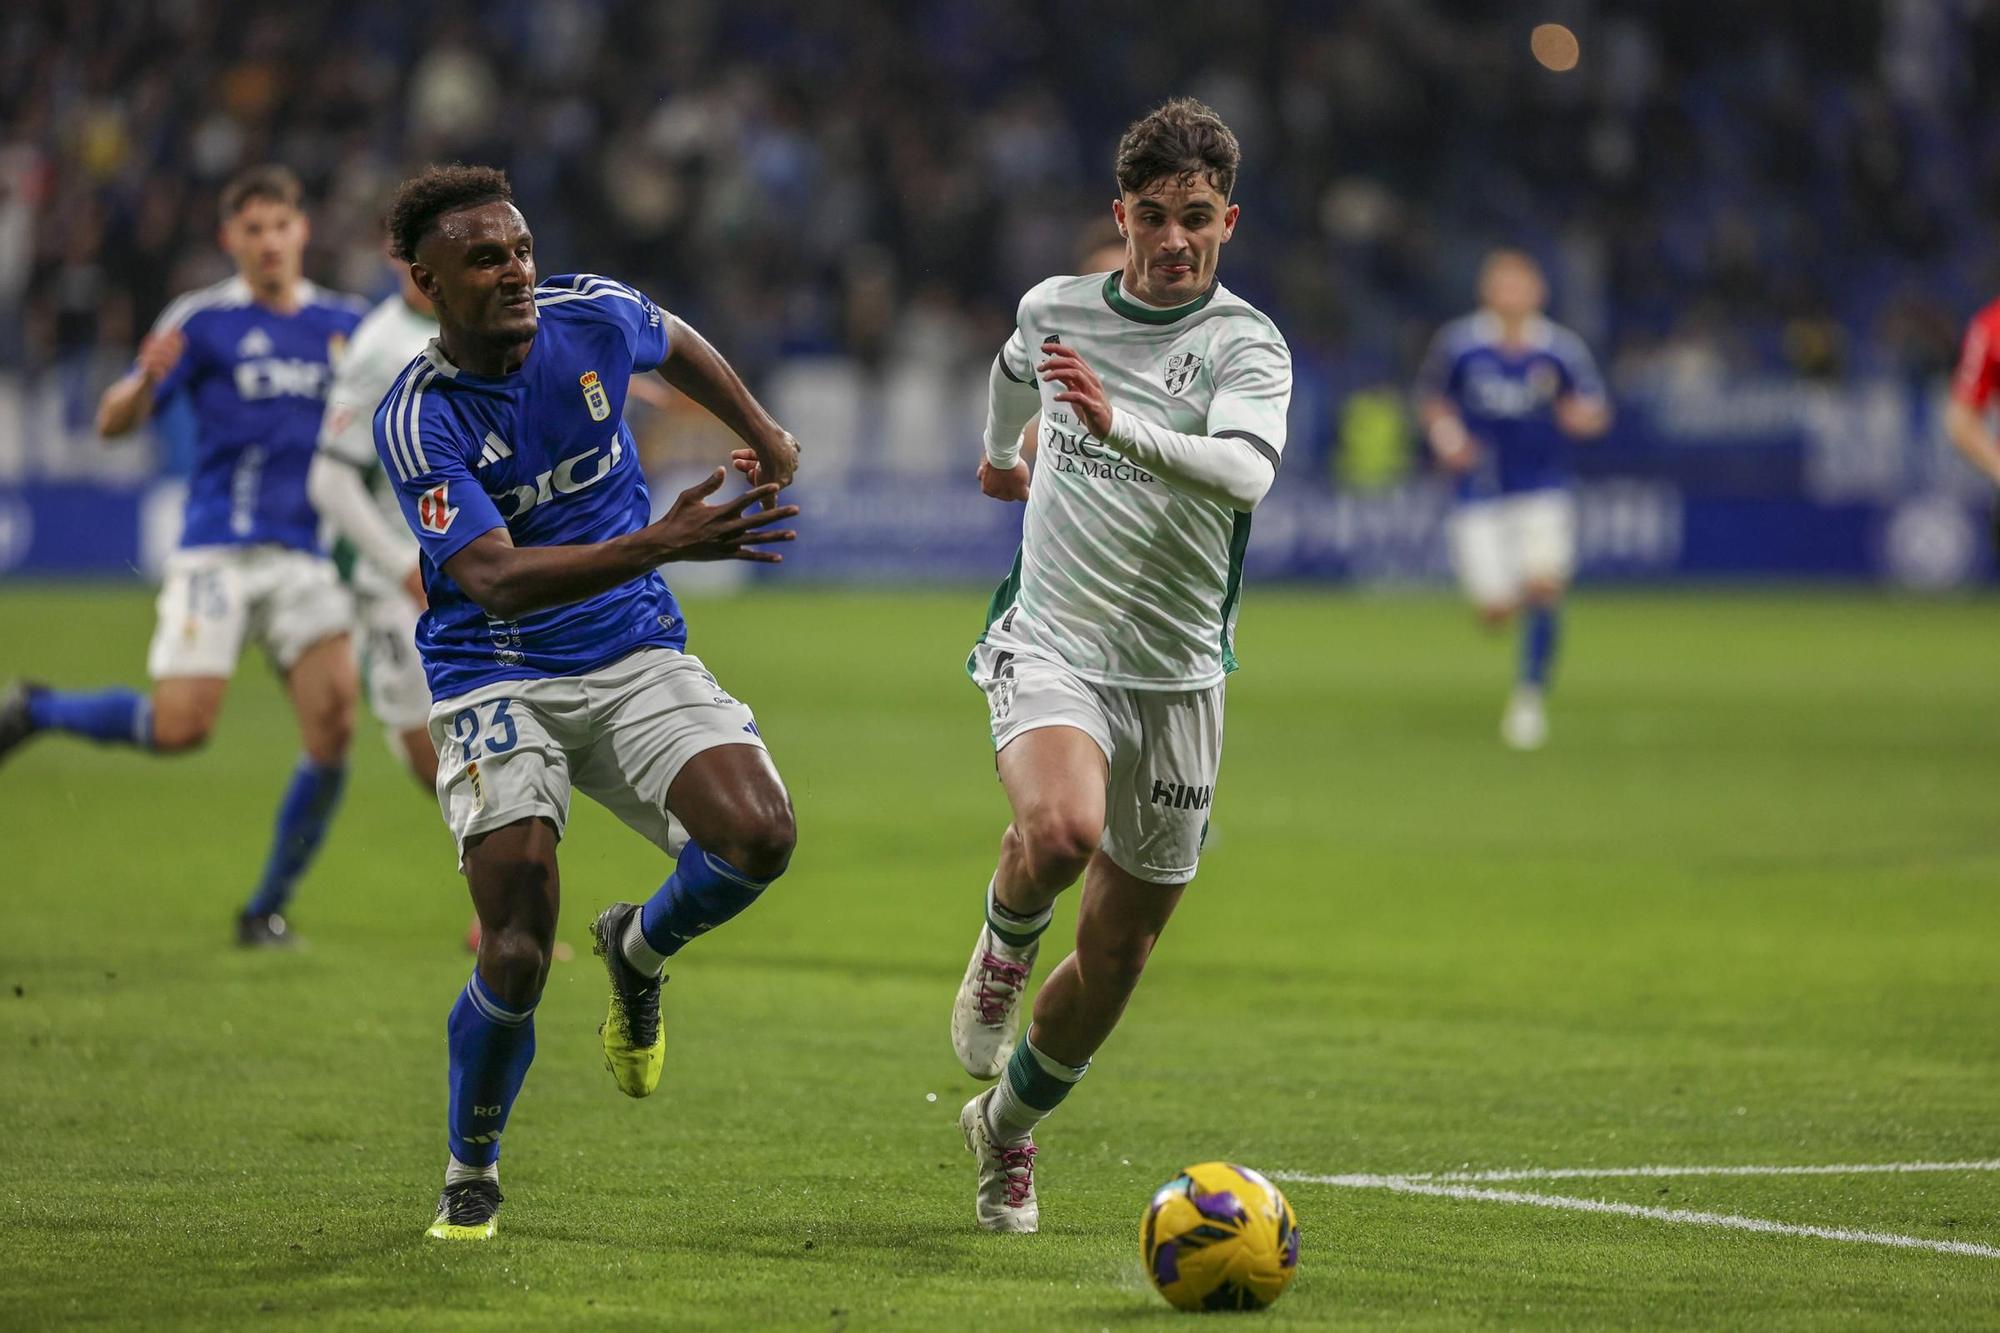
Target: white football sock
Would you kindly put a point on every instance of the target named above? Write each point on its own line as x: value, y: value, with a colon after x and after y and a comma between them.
x: 1000, y: 917
x: 457, y: 1172
x: 639, y: 953
x: 1010, y: 1118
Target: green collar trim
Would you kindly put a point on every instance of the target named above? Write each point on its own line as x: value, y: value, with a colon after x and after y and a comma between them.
x: 1115, y: 297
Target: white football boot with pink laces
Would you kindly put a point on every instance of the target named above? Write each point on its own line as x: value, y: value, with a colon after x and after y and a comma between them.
x: 986, y: 1017
x: 1006, y: 1197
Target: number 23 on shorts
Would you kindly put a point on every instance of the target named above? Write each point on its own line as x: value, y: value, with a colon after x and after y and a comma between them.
x: 467, y: 729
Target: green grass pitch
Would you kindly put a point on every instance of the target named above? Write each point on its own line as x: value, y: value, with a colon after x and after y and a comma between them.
x: 1742, y: 911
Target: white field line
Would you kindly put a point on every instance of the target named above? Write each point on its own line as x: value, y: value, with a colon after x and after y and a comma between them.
x: 1617, y: 1172
x: 1445, y: 1187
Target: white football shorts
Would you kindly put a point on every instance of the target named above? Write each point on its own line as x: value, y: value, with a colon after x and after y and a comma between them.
x: 1499, y: 546
x: 391, y: 668
x: 1161, y: 749
x: 621, y: 735
x: 213, y: 598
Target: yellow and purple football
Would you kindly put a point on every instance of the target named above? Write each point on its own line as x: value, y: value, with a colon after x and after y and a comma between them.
x: 1220, y: 1237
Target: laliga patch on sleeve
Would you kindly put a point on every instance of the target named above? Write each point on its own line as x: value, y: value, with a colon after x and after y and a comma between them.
x: 434, y: 509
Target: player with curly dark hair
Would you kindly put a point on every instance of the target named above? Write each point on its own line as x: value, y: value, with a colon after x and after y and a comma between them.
x: 556, y: 653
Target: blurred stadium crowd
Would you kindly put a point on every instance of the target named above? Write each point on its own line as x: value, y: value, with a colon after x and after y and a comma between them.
x: 1796, y: 184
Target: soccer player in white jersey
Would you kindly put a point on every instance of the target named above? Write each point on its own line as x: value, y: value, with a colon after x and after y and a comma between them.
x: 252, y: 354
x: 1501, y: 395
x: 1161, y: 398
x: 347, y: 487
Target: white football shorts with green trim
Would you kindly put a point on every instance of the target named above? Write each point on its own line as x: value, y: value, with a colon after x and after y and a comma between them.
x: 1161, y: 752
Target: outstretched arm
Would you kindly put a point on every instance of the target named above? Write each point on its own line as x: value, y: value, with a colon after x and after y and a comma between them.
x: 1446, y: 434
x: 337, y: 490
x: 127, y: 404
x: 699, y: 371
x: 512, y: 581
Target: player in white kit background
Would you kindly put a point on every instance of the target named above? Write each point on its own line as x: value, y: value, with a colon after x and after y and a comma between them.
x: 347, y: 487
x: 1161, y: 398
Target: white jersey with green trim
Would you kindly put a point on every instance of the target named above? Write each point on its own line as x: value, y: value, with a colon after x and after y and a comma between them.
x: 1128, y: 581
x: 386, y: 340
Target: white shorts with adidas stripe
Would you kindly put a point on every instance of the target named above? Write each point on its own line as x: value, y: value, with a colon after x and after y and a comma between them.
x: 514, y: 749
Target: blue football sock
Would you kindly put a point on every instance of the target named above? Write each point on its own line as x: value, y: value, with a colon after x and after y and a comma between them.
x: 1539, y: 634
x: 703, y: 892
x: 491, y: 1048
x: 302, y: 819
x: 116, y: 717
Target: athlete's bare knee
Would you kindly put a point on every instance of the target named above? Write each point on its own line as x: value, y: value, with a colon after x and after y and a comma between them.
x: 326, y: 725
x: 1544, y: 593
x: 326, y: 742
x: 514, y: 961
x: 1056, y: 846
x: 178, y: 735
x: 761, y: 846
x: 1011, y: 846
x: 180, y: 727
x: 517, y: 921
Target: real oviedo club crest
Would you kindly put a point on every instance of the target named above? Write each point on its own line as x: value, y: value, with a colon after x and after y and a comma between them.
x: 1181, y: 368
x: 594, y: 397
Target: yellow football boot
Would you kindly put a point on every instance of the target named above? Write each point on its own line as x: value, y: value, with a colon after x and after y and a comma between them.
x: 635, y: 1046
x: 469, y: 1210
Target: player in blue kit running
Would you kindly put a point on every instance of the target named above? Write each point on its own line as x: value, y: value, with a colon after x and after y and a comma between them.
x: 253, y: 354
x: 1501, y: 395
x: 555, y: 652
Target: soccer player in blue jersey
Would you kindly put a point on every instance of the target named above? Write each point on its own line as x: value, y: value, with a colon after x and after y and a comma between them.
x: 555, y: 652
x: 253, y: 354
x: 1501, y: 395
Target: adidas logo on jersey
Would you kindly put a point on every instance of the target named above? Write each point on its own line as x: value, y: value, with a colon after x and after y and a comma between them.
x: 255, y: 343
x: 495, y: 449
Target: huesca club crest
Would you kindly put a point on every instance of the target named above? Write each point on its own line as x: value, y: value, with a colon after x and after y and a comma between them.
x: 1181, y: 367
